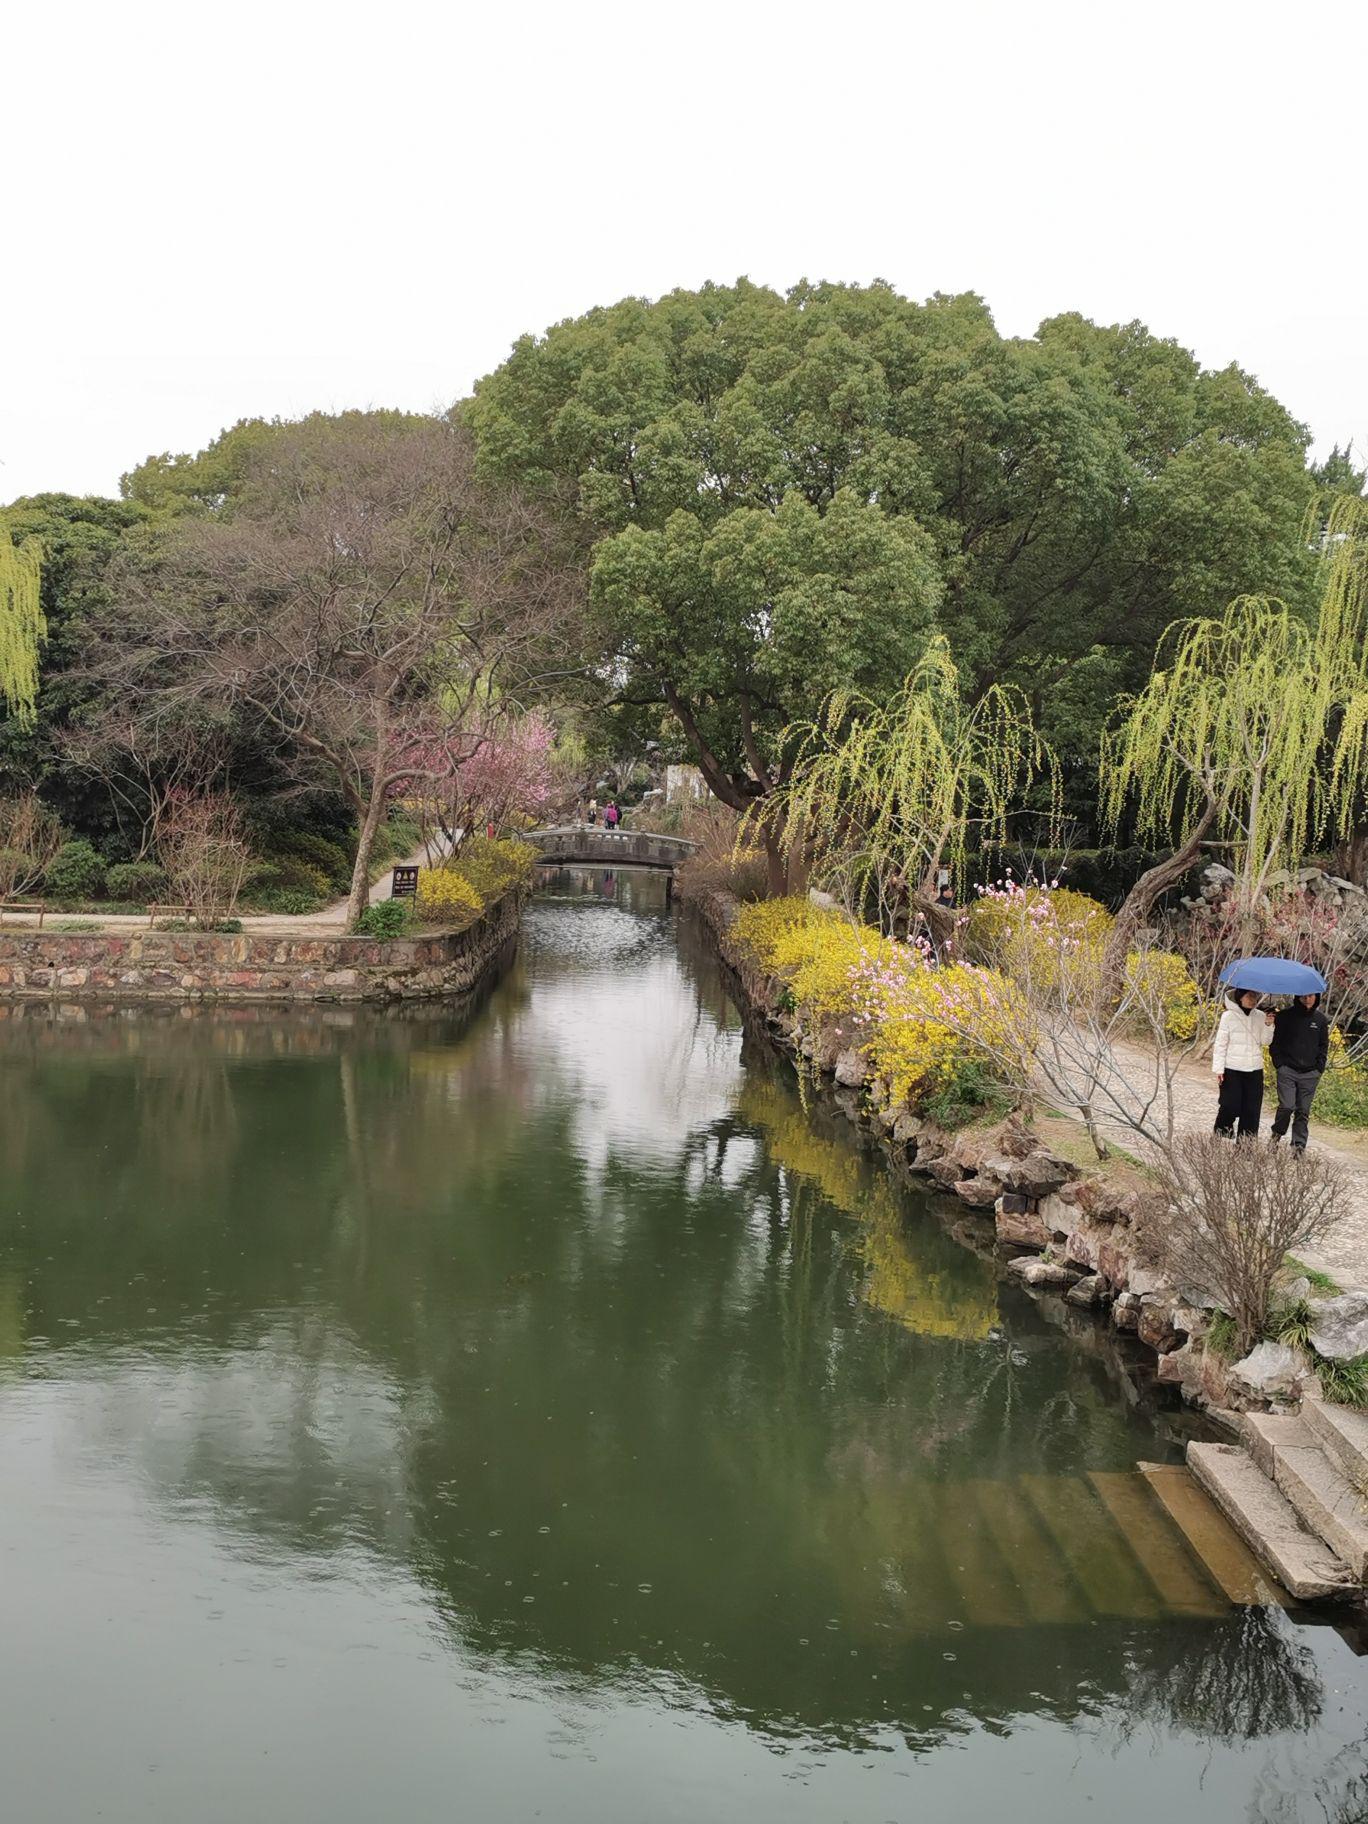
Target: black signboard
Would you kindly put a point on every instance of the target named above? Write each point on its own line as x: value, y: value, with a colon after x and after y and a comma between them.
x: 405, y: 883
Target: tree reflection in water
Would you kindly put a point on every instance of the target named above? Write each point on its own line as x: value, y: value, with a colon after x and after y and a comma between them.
x: 501, y: 1305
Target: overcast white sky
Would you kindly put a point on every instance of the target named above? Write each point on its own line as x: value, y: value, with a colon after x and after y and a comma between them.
x: 220, y: 212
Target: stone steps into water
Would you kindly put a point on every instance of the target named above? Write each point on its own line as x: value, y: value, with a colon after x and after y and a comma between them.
x: 1049, y: 1594
x: 1288, y: 1451
x: 1163, y: 1553
x: 1343, y: 1435
x: 1303, y: 1563
x: 1113, y: 1582
x: 1222, y: 1551
x: 1065, y: 1550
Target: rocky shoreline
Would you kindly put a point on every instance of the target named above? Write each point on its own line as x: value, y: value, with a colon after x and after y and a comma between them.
x: 1063, y: 1230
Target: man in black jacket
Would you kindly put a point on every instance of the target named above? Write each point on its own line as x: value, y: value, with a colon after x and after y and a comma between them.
x: 1301, y: 1045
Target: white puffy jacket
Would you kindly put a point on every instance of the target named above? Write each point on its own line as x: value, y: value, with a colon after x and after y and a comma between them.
x: 1240, y: 1040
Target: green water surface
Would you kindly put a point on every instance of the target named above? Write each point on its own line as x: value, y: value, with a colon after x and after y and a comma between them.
x: 532, y: 1411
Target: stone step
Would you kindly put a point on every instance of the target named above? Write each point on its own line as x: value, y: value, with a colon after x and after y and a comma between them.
x: 1221, y: 1549
x: 1304, y: 1564
x: 1163, y: 1552
x: 985, y: 1579
x: 1330, y: 1505
x: 1048, y: 1592
x: 1342, y: 1433
x: 1112, y: 1581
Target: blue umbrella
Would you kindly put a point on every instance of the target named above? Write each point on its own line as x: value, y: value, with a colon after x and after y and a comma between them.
x: 1273, y: 975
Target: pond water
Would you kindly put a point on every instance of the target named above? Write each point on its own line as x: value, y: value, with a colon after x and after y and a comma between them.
x: 535, y: 1412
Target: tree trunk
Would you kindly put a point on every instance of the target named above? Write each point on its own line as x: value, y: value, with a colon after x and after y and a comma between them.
x: 1135, y: 908
x: 1351, y: 857
x: 359, y: 897
x: 776, y: 865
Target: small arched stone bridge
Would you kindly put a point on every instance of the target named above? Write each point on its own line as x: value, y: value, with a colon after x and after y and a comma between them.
x: 597, y: 847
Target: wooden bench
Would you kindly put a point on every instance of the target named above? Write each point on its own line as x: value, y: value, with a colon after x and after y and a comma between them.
x: 23, y: 905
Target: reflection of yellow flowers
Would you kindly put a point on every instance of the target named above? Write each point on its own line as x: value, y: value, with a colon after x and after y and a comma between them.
x: 899, y: 1283
x: 962, y: 1304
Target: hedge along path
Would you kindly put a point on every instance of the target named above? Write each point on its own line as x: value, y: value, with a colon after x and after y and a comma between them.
x: 1344, y: 1254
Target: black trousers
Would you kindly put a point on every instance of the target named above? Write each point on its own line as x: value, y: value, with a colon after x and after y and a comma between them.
x: 1296, y: 1092
x: 1241, y: 1102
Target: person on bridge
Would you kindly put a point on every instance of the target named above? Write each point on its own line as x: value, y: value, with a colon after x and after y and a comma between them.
x: 612, y: 816
x: 593, y: 812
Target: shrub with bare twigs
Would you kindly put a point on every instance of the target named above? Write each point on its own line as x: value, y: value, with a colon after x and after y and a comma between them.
x: 202, y: 845
x: 30, y: 835
x: 1230, y: 1214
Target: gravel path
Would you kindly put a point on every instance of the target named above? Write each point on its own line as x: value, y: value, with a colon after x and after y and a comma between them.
x: 1344, y: 1255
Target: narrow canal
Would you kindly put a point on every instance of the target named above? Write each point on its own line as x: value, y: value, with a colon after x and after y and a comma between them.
x: 534, y: 1414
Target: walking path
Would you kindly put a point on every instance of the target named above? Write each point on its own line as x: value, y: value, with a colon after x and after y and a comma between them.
x: 1343, y: 1254
x: 328, y: 918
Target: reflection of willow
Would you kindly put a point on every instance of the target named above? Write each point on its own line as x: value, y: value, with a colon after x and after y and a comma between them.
x: 1236, y: 1682
x: 1338, y: 1791
x: 957, y: 1298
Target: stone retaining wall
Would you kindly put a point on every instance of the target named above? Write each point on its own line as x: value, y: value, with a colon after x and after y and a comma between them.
x: 148, y: 965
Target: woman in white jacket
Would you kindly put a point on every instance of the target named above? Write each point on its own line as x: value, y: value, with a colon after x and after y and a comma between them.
x: 1241, y: 1039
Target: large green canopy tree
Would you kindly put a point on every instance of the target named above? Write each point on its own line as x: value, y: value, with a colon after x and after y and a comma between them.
x: 1080, y: 489
x: 742, y: 624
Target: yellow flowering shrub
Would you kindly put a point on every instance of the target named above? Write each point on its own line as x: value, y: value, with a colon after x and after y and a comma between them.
x: 761, y: 924
x: 1161, y: 984
x: 1002, y: 922
x: 492, y: 865
x: 922, y: 1032
x: 444, y: 897
x: 922, y: 1029
x: 820, y: 960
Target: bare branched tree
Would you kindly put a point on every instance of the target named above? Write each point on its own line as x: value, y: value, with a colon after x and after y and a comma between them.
x: 148, y: 757
x: 365, y: 597
x: 1232, y: 1212
x: 202, y: 844
x: 1062, y: 1025
x: 30, y: 835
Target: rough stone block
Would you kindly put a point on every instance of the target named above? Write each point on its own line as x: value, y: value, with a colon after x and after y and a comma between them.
x: 1020, y: 1228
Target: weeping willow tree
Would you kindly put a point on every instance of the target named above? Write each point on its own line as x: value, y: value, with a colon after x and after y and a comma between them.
x: 883, y: 796
x: 22, y: 626
x: 1344, y: 630
x: 1234, y: 736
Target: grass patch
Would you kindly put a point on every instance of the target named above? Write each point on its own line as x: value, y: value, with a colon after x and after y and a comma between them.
x: 1318, y: 1281
x: 1221, y: 1336
x: 1344, y: 1383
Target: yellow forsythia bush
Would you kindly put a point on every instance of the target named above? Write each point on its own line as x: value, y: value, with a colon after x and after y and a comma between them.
x: 760, y: 926
x: 896, y: 1001
x: 925, y: 1028
x: 1161, y: 984
x: 446, y: 898
x: 1001, y: 919
x: 492, y: 865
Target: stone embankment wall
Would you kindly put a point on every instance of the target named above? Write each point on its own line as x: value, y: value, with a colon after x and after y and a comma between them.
x: 1064, y: 1231
x: 148, y: 965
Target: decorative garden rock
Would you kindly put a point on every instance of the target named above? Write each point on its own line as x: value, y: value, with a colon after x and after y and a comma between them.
x: 1341, y: 1326
x: 1089, y: 1291
x: 1270, y: 1371
x: 1044, y: 1273
x: 1020, y: 1228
